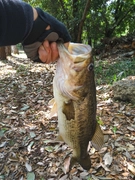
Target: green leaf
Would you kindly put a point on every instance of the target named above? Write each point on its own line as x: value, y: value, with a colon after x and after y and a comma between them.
x: 30, y: 146
x: 114, y: 129
x: 32, y: 134
x: 49, y: 148
x: 30, y: 176
x: 2, y: 177
x: 100, y: 122
x: 2, y: 131
x: 25, y: 107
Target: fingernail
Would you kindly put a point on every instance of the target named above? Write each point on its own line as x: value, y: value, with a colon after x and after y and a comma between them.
x: 46, y: 43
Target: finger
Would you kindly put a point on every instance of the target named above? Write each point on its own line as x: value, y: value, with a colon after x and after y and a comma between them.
x: 46, y: 46
x: 54, y: 51
x: 46, y: 55
x: 43, y: 55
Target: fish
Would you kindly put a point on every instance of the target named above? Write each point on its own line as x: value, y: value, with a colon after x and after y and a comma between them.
x: 74, y: 101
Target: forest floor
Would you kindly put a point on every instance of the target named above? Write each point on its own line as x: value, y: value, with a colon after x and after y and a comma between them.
x: 26, y: 131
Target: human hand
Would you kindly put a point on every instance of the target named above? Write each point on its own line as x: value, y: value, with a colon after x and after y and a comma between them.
x: 45, y: 28
x: 48, y: 52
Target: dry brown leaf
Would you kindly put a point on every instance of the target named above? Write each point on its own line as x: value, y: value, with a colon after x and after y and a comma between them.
x: 22, y: 132
x: 131, y: 168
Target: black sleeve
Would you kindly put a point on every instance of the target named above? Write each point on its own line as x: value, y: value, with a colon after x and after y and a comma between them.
x: 16, y: 21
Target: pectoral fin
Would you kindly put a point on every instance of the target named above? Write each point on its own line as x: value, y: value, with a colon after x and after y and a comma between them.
x: 54, y: 108
x: 59, y: 138
x: 68, y: 110
x: 98, y: 138
x: 51, y: 102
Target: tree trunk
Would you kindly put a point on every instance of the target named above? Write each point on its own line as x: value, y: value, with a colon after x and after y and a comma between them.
x: 80, y: 30
x: 14, y: 49
x: 2, y: 53
x: 76, y: 20
x: 8, y: 50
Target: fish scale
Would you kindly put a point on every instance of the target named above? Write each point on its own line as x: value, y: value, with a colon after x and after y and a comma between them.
x: 75, y: 102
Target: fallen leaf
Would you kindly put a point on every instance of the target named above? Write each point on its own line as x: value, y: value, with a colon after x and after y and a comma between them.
x: 131, y: 168
x: 49, y: 148
x: 30, y: 176
x: 105, y: 167
x: 25, y: 107
x: 3, y: 144
x: 64, y: 177
x: 21, y: 178
x: 103, y: 150
x: 94, y: 178
x: 2, y: 133
x: 130, y: 128
x: 127, y: 155
x: 107, y: 159
x: 28, y: 167
x: 40, y: 164
x: 2, y: 177
x: 104, y: 178
x: 130, y: 147
x: 30, y: 146
x: 83, y: 174
x: 32, y: 134
x: 66, y: 165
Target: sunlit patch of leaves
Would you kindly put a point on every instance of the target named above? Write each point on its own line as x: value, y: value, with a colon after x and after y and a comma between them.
x: 107, y: 72
x: 27, y: 146
x: 100, y: 122
x: 114, y: 129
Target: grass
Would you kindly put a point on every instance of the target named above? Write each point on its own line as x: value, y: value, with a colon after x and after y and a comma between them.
x: 22, y: 68
x: 107, y: 72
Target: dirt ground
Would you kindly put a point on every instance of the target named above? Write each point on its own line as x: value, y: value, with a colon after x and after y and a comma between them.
x: 26, y: 131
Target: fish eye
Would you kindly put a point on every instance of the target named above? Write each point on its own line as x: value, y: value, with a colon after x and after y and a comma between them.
x: 90, y: 66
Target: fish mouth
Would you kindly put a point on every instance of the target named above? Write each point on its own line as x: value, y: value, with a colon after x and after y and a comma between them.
x: 76, y: 49
x: 71, y: 65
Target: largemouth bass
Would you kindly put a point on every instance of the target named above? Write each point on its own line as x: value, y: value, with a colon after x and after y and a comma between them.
x: 75, y: 102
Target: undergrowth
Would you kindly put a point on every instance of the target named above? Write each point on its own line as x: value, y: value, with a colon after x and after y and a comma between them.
x: 107, y: 72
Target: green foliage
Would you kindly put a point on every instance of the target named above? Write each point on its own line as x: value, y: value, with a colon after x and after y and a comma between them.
x: 108, y: 72
x: 34, y: 3
x: 111, y: 18
x: 105, y: 18
x: 100, y: 122
x: 2, y: 131
x: 114, y: 129
x: 22, y: 68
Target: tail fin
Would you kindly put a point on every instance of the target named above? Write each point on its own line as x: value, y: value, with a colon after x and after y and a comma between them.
x: 84, y: 162
x: 98, y: 138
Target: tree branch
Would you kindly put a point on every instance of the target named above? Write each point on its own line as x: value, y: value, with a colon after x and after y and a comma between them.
x: 122, y: 18
x: 83, y: 20
x: 118, y: 9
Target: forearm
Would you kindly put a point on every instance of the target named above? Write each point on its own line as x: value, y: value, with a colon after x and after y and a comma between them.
x: 35, y: 14
x: 16, y: 21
